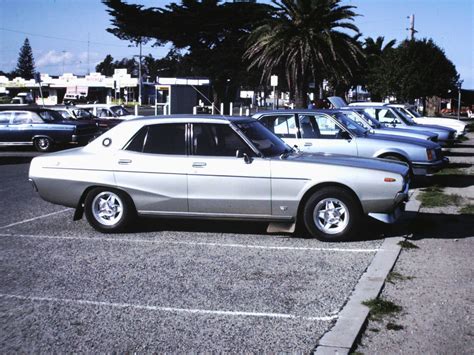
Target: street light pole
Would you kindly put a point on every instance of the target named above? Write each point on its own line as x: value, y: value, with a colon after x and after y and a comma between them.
x: 459, y: 98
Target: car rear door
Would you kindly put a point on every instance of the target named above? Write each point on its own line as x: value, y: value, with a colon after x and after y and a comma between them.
x: 153, y: 169
x: 222, y: 184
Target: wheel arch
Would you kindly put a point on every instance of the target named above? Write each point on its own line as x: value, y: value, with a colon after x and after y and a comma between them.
x: 79, y: 211
x: 396, y: 152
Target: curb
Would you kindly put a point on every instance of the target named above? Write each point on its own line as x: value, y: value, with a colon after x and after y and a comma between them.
x: 341, y: 338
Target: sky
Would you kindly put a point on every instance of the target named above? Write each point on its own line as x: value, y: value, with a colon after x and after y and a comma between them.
x: 70, y: 35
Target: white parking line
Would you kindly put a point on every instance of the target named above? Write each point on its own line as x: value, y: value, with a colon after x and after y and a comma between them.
x: 35, y: 218
x: 169, y: 309
x: 225, y: 245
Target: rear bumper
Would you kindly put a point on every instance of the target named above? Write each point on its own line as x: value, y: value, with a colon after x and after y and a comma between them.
x: 423, y: 169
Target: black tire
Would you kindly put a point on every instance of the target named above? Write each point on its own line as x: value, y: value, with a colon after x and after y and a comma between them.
x: 339, y: 215
x: 403, y: 160
x: 108, y: 210
x: 43, y: 144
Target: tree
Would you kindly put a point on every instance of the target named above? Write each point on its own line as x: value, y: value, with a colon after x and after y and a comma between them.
x: 211, y: 34
x: 26, y: 63
x: 303, y: 37
x: 106, y: 67
x: 415, y: 69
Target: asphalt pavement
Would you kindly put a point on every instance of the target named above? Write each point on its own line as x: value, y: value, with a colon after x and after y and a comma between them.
x: 167, y: 286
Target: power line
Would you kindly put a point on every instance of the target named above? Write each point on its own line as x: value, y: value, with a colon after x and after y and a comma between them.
x: 66, y: 39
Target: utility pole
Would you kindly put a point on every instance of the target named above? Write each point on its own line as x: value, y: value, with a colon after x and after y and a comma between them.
x: 88, y: 55
x: 459, y: 98
x: 411, y: 30
x: 140, y: 75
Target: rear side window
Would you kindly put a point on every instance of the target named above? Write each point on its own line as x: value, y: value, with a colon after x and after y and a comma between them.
x: 283, y: 126
x: 160, y: 139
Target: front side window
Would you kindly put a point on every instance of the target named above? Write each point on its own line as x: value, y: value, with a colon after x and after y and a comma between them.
x: 50, y: 115
x: 327, y: 127
x: 217, y: 140
x: 160, y: 139
x: 5, y: 117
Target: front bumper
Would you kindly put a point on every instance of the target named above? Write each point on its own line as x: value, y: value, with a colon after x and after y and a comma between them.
x: 83, y: 139
x: 400, y: 200
x: 429, y: 168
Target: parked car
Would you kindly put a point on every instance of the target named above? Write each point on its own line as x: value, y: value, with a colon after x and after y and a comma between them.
x: 72, y: 112
x: 42, y: 128
x: 375, y: 126
x: 108, y: 111
x: 390, y: 117
x: 459, y: 126
x: 217, y: 168
x: 331, y: 131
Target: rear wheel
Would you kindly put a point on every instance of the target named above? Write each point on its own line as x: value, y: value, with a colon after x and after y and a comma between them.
x: 332, y: 214
x: 108, y: 210
x: 43, y: 144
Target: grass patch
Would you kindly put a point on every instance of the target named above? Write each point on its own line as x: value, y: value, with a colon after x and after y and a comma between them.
x: 393, y: 326
x: 450, y: 171
x: 380, y: 307
x: 462, y: 139
x: 434, y: 196
x: 395, y: 276
x: 405, y: 244
x: 469, y: 209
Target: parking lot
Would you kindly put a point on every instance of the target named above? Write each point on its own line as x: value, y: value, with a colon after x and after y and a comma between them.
x: 168, y: 286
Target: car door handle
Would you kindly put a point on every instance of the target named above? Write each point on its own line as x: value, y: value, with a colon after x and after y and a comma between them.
x: 199, y: 165
x: 124, y: 161
x: 308, y: 144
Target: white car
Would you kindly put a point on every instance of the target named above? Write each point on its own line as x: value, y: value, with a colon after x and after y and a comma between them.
x: 109, y: 111
x: 459, y: 126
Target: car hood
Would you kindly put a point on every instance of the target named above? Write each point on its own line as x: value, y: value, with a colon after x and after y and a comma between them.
x: 350, y: 161
x: 442, y: 121
x: 432, y: 126
x: 399, y: 139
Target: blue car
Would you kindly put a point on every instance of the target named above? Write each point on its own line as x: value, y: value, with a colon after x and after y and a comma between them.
x: 42, y: 128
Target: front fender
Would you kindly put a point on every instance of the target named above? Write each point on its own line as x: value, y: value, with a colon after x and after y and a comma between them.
x: 392, y: 151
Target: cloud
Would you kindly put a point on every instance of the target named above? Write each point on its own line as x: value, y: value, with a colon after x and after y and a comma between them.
x: 53, y: 57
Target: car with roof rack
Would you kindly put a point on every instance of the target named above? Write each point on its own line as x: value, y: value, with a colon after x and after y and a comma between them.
x: 212, y: 167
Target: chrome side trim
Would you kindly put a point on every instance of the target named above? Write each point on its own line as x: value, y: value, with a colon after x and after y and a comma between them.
x: 216, y: 215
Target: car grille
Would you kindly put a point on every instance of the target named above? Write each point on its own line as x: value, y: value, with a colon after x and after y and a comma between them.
x: 451, y: 135
x: 439, y: 153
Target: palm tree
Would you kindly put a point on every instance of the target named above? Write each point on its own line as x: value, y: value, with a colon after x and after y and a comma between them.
x: 303, y: 37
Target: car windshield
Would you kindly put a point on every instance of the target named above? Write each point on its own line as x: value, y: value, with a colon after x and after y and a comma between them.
x: 403, y: 116
x: 359, y: 119
x: 263, y: 139
x: 120, y: 111
x: 352, y: 126
x: 83, y: 114
x: 49, y: 115
x: 413, y: 112
x: 65, y: 114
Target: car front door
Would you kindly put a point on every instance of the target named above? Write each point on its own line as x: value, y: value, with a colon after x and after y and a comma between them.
x: 153, y: 169
x: 225, y: 176
x: 321, y: 133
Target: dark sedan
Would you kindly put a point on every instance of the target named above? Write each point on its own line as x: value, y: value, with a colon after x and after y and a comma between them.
x: 42, y: 128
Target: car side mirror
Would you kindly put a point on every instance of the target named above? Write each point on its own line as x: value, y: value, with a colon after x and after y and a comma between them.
x: 242, y: 154
x: 345, y: 135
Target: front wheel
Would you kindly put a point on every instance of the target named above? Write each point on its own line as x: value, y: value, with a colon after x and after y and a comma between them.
x: 43, y: 144
x: 108, y: 210
x: 332, y: 214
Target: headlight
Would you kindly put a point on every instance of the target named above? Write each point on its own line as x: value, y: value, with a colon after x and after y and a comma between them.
x: 430, y: 154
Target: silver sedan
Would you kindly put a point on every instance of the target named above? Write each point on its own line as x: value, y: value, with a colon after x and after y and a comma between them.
x: 217, y: 168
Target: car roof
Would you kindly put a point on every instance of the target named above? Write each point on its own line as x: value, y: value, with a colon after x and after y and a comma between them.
x: 193, y: 118
x: 31, y: 108
x: 368, y: 103
x: 299, y: 111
